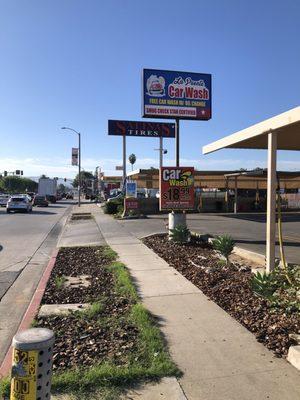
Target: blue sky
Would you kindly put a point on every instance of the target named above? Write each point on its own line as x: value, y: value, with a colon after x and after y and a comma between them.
x: 78, y: 63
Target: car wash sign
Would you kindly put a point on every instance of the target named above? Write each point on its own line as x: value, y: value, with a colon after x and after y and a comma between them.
x: 175, y: 94
x: 141, y: 128
x: 176, y: 186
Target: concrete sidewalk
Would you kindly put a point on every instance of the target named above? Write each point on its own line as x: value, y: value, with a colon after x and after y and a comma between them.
x: 220, y: 359
x: 81, y: 232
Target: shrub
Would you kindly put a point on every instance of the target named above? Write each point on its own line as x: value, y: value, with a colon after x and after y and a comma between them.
x: 224, y: 244
x: 180, y: 234
x: 112, y: 207
x: 280, y: 287
x: 264, y: 284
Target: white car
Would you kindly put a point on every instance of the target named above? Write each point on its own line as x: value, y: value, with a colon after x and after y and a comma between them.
x: 19, y: 203
x: 4, y: 199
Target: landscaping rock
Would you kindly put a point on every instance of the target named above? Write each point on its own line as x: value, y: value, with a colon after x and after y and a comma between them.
x: 229, y: 287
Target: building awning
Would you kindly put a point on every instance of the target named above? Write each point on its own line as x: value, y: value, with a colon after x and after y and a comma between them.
x: 286, y: 125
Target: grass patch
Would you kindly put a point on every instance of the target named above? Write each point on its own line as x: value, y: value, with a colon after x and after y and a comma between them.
x: 124, y: 285
x: 93, y: 310
x: 108, y: 253
x: 5, y: 388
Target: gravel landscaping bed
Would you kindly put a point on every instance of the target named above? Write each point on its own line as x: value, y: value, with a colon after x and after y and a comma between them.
x: 229, y: 287
x: 95, y: 335
x: 76, y: 261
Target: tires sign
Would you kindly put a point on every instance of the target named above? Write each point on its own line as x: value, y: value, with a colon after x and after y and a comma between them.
x: 176, y: 185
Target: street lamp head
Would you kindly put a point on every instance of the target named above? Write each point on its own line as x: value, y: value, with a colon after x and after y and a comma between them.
x: 63, y: 127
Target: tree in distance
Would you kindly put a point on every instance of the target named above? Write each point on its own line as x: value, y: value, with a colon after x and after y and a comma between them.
x: 84, y: 175
x: 132, y: 160
x: 17, y: 184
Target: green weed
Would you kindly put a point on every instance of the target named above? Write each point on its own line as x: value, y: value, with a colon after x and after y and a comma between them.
x: 59, y: 281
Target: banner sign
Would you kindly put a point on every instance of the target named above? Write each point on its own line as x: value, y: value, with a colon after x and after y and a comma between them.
x: 176, y: 186
x: 74, y: 156
x: 175, y: 94
x: 131, y: 189
x: 141, y: 128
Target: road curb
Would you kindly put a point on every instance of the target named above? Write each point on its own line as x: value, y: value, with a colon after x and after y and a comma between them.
x: 30, y: 312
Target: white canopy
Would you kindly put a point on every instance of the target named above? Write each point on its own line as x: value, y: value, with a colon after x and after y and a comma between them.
x: 281, y: 132
x: 287, y: 126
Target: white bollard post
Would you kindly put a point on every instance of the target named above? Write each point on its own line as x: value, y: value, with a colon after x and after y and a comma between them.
x: 32, y: 364
x: 175, y: 219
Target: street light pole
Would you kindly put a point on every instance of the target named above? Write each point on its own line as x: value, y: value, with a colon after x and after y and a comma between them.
x: 79, y: 169
x: 79, y: 161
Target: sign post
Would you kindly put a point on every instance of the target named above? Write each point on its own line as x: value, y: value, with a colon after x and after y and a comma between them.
x: 177, y: 155
x: 124, y: 159
x: 131, y: 202
x: 178, y: 95
x: 140, y: 129
x: 176, y: 186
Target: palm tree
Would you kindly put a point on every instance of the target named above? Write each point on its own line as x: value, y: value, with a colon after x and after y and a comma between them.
x: 132, y: 160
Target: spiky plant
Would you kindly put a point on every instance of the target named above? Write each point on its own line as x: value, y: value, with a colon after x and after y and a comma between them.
x: 224, y: 244
x: 180, y: 234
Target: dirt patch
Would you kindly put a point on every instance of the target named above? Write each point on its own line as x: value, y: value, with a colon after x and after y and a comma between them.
x: 73, y: 262
x: 86, y: 337
x: 81, y: 216
x: 82, y: 341
x: 229, y: 287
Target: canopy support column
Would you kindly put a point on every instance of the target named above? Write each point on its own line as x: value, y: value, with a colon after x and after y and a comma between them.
x: 235, y: 195
x: 271, y: 202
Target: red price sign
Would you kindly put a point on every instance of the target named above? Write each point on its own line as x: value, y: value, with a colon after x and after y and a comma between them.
x: 131, y: 204
x: 176, y: 185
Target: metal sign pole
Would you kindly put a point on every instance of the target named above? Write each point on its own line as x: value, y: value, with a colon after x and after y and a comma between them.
x: 124, y: 158
x: 161, y: 151
x: 177, y: 141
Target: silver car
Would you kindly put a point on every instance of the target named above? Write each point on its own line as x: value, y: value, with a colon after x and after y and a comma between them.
x: 19, y: 203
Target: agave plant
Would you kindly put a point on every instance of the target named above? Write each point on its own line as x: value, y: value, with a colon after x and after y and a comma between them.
x: 224, y: 245
x: 180, y: 234
x: 263, y: 284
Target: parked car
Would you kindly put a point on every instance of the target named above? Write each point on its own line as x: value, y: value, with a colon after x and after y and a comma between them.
x: 19, y: 203
x: 4, y: 199
x: 69, y: 196
x: 40, y: 201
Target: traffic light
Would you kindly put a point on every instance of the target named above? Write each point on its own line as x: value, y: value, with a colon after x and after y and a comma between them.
x: 18, y: 172
x: 5, y: 173
x: 21, y: 172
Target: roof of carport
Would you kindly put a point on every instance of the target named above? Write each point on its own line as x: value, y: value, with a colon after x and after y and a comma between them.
x: 287, y: 125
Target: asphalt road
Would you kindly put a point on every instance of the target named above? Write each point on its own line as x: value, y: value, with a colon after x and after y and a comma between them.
x: 248, y: 230
x: 21, y: 234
